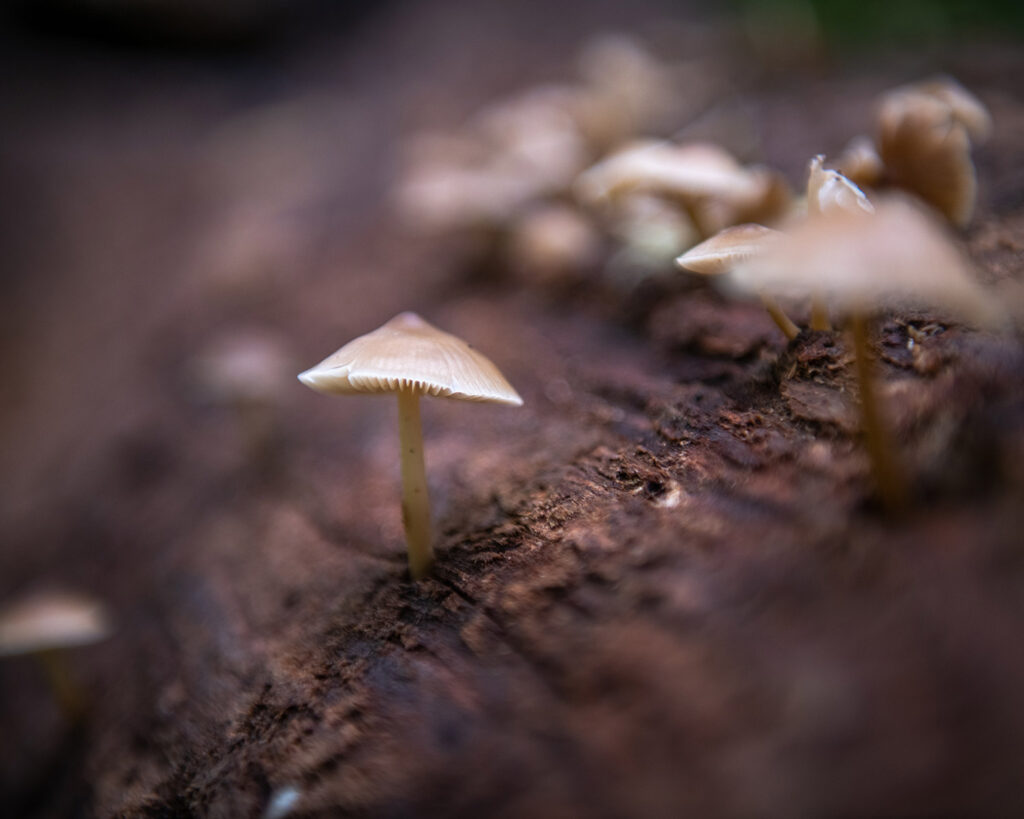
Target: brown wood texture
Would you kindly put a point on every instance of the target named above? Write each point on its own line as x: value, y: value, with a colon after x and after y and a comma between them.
x: 663, y: 586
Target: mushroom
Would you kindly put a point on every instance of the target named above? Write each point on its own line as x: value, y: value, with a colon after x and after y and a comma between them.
x: 553, y: 243
x: 45, y: 624
x: 860, y: 263
x: 729, y: 247
x: 409, y: 357
x: 829, y: 192
x: 694, y: 175
x: 924, y: 142
x: 244, y: 371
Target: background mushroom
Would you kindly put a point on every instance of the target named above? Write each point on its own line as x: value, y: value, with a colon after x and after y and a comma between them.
x: 924, y: 140
x: 44, y: 625
x: 706, y: 180
x: 409, y: 357
x: 246, y: 372
x: 727, y: 248
x: 827, y: 192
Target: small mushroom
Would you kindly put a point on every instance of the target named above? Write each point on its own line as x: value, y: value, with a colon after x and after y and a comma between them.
x: 830, y: 192
x: 926, y: 149
x: 245, y: 371
x: 693, y: 175
x: 863, y: 263
x: 553, y: 243
x: 727, y: 248
x: 409, y: 357
x: 44, y: 625
x: 896, y: 257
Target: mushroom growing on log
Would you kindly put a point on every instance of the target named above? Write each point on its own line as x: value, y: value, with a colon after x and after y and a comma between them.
x: 409, y: 357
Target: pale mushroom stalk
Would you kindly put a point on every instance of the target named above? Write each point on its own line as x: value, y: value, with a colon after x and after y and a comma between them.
x: 819, y: 314
x: 415, y: 497
x: 65, y: 691
x: 888, y: 475
x: 782, y: 321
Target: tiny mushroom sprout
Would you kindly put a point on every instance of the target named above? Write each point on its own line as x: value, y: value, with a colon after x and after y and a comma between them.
x: 409, y: 357
x: 45, y: 624
x: 862, y: 263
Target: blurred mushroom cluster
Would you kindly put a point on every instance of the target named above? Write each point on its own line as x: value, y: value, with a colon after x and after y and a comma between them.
x: 560, y: 174
x: 568, y: 181
x: 850, y: 256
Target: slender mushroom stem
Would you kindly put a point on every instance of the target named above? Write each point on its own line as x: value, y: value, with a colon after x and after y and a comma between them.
x: 891, y: 484
x: 67, y: 694
x: 415, y: 500
x: 784, y: 322
x: 819, y: 314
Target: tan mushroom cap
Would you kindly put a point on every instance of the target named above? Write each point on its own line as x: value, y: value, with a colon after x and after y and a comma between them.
x: 726, y: 249
x: 860, y: 163
x: 859, y: 263
x: 927, y: 151
x: 829, y: 191
x: 407, y: 353
x: 52, y: 620
x: 963, y: 106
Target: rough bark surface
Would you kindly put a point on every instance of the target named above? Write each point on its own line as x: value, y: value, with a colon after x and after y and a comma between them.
x: 663, y: 587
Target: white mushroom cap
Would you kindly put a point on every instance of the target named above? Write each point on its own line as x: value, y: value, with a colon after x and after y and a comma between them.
x: 726, y: 249
x: 52, y: 620
x: 685, y: 171
x: 407, y: 353
x: 829, y: 191
x: 898, y: 256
